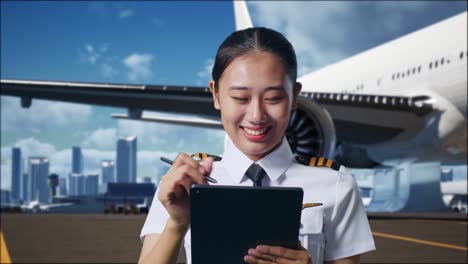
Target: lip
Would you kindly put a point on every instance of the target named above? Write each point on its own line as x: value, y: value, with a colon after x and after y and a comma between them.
x: 255, y: 138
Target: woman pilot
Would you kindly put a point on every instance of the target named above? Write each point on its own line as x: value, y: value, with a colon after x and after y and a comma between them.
x: 254, y: 87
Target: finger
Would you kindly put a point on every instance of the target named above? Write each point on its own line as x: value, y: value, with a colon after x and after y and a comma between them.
x: 253, y: 260
x: 282, y: 252
x: 207, y: 164
x: 193, y: 174
x: 182, y: 159
x: 257, y: 254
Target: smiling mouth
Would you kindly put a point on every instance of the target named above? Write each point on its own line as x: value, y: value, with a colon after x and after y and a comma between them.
x: 255, y: 132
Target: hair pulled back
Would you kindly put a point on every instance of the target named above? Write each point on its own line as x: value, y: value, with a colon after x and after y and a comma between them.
x: 250, y: 40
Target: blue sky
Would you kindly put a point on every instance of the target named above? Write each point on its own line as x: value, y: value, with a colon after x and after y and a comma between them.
x: 161, y: 43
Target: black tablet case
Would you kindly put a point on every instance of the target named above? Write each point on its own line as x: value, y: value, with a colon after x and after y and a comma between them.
x: 226, y: 221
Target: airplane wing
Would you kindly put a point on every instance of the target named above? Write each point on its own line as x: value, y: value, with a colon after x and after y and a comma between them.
x: 163, y: 98
x: 372, y: 119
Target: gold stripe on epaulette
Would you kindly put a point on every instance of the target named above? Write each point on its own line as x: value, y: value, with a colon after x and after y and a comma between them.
x: 312, y: 161
x: 320, y: 162
x: 204, y: 155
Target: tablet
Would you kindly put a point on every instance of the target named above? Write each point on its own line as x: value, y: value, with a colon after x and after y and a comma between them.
x: 226, y: 221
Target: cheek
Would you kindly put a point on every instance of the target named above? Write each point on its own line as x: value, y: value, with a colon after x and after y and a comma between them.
x: 280, y: 112
x: 231, y: 114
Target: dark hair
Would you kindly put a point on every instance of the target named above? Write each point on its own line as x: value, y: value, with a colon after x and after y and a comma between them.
x: 254, y: 39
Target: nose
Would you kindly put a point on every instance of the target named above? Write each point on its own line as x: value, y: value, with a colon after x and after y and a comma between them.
x: 257, y: 114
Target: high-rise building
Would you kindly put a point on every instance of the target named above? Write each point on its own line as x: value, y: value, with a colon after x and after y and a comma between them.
x: 53, y: 184
x: 91, y: 187
x: 5, y: 197
x: 62, y: 187
x: 77, y: 184
x: 38, y: 171
x: 77, y: 160
x: 126, y: 160
x: 16, y: 175
x: 25, y: 188
x: 107, y: 171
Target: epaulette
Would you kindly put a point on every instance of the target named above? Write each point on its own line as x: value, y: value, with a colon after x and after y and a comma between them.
x: 318, y: 162
x: 203, y: 156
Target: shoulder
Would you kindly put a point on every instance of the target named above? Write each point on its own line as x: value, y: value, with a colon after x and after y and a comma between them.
x: 329, y: 168
x: 319, y: 162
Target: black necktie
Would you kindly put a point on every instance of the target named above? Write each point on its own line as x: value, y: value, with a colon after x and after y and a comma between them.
x: 256, y: 173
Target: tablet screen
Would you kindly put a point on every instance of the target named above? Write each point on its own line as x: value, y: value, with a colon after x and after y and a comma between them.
x: 226, y: 221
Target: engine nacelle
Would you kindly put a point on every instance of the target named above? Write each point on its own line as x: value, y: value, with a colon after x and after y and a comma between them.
x: 311, y: 131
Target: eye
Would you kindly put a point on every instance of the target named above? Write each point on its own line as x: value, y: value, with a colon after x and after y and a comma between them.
x: 274, y: 99
x: 240, y: 99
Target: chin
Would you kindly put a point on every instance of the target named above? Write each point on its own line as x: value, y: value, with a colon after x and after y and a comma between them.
x: 258, y: 149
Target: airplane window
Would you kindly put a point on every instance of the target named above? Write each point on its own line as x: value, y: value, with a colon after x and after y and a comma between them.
x: 430, y: 65
x: 414, y: 70
x: 408, y: 72
x: 419, y: 69
x: 435, y: 64
x: 403, y: 75
x: 461, y: 55
x: 393, y: 76
x: 442, y: 61
x: 398, y: 75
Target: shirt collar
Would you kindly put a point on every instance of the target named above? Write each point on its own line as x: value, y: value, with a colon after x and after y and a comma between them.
x: 275, y: 163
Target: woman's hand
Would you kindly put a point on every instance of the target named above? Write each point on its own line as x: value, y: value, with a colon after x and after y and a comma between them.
x: 174, y: 188
x: 280, y: 255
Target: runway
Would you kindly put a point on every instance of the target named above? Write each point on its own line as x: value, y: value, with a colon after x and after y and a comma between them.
x: 80, y: 238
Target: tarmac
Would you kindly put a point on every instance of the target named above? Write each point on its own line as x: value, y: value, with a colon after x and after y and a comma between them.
x: 110, y: 238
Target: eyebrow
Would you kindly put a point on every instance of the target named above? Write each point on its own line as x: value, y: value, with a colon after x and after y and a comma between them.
x: 270, y: 88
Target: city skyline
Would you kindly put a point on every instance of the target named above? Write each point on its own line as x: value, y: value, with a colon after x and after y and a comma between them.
x: 34, y: 179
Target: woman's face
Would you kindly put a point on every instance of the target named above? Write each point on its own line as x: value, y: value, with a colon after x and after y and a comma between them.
x: 255, y: 97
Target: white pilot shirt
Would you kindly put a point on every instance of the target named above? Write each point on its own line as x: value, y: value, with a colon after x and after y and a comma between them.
x: 337, y: 229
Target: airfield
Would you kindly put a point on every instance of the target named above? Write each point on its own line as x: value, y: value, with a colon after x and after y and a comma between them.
x: 107, y: 238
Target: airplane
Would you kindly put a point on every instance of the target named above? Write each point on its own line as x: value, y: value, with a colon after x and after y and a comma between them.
x: 399, y: 107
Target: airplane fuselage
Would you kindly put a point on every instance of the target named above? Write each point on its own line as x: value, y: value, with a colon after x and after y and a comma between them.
x: 429, y: 62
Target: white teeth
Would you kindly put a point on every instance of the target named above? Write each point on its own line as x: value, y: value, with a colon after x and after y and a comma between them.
x: 254, y: 132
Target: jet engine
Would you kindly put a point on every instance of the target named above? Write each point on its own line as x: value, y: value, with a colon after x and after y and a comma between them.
x: 311, y: 131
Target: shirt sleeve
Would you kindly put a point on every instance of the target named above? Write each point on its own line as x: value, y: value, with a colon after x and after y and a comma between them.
x: 156, y: 218
x: 348, y: 232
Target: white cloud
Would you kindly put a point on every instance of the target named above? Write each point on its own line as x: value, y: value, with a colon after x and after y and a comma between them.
x: 102, y: 138
x: 42, y: 114
x: 324, y: 32
x: 174, y: 138
x: 108, y: 71
x: 90, y: 54
x: 126, y: 13
x: 139, y: 66
x: 204, y: 76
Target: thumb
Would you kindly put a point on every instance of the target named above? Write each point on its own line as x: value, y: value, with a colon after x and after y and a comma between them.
x: 207, y: 164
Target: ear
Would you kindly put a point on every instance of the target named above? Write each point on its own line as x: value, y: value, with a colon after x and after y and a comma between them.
x: 215, y: 94
x: 297, y: 89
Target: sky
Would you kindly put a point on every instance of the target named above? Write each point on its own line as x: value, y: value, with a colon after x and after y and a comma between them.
x: 171, y: 43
